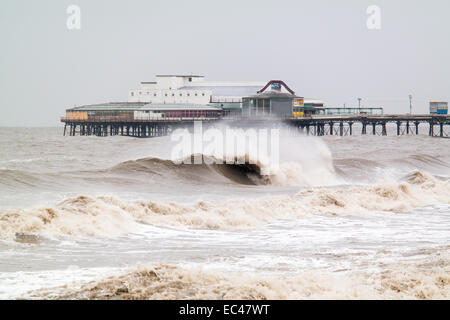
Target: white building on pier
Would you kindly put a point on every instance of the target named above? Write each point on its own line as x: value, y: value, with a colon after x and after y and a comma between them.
x: 193, y: 89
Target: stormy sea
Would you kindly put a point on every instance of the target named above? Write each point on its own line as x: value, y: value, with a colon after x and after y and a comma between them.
x: 354, y: 217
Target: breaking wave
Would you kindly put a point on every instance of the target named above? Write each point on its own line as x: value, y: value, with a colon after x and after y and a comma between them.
x: 108, y: 216
x: 242, y: 171
x: 428, y: 280
x: 314, y: 168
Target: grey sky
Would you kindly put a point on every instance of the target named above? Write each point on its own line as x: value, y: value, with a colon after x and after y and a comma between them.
x: 322, y: 49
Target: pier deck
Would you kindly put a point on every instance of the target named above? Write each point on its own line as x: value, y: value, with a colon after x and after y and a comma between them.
x: 342, y: 125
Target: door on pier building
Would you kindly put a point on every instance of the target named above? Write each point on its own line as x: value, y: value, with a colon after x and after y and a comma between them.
x: 262, y: 107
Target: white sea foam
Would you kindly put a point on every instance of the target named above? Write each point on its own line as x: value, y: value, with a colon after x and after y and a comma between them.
x: 110, y: 216
x: 427, y: 280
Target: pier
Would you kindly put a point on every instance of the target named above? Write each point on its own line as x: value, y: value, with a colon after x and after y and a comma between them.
x: 340, y: 125
x: 343, y: 125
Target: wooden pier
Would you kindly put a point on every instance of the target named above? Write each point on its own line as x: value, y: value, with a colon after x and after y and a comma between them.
x: 340, y: 125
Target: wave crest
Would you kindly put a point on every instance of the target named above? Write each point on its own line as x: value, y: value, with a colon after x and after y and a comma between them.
x: 109, y: 216
x: 247, y: 173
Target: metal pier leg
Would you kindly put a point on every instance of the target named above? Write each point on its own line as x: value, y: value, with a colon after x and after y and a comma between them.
x: 407, y: 127
x: 398, y: 127
x: 384, y: 132
x: 341, y: 128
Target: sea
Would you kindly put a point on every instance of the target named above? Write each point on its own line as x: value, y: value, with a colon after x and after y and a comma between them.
x: 351, y: 217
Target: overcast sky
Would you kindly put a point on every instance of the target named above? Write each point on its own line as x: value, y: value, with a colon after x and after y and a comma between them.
x: 321, y: 49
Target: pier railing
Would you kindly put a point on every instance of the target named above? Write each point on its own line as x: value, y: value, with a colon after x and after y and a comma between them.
x: 120, y: 119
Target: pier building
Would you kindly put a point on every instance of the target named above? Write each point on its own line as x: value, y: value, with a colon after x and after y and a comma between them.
x: 173, y: 101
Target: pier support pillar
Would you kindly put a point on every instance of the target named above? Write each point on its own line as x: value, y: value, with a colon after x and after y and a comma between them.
x: 321, y: 129
x: 383, y: 126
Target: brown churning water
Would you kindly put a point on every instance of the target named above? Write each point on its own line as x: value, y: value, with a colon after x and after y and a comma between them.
x: 115, y: 218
